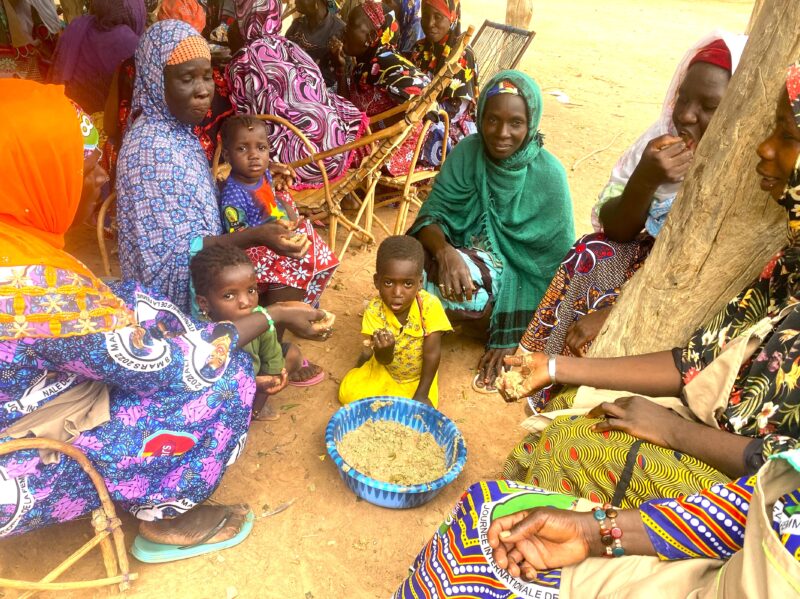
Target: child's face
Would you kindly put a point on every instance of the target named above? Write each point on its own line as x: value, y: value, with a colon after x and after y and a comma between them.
x: 233, y: 295
x: 248, y: 153
x: 398, y: 284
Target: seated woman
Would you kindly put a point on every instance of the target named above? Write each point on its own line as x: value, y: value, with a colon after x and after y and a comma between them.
x: 506, y: 541
x: 632, y: 207
x: 313, y: 30
x: 167, y: 203
x: 269, y: 74
x: 441, y: 22
x: 497, y: 221
x: 164, y: 395
x: 92, y: 47
x: 121, y: 96
x: 632, y: 449
x: 382, y: 78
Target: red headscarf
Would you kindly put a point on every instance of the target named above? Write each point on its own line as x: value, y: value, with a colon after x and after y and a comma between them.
x: 715, y: 53
x: 188, y: 11
x: 448, y: 8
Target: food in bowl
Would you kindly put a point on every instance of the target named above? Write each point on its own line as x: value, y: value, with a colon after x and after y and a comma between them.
x: 394, y: 453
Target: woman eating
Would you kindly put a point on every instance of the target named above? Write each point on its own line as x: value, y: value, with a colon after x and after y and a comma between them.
x: 497, y: 221
x: 632, y: 207
x: 269, y: 74
x: 164, y: 401
x: 750, y: 421
x: 441, y: 22
x: 167, y: 204
x: 93, y: 46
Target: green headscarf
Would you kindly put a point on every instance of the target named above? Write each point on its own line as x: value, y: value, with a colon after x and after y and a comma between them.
x: 520, y: 206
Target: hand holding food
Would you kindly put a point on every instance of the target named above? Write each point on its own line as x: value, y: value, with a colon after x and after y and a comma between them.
x: 666, y: 159
x: 528, y: 374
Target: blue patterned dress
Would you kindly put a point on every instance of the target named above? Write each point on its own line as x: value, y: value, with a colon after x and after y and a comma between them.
x: 166, y: 198
x: 180, y: 402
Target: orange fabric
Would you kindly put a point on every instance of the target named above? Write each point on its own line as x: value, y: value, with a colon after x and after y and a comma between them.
x: 189, y: 49
x: 188, y: 11
x: 41, y: 167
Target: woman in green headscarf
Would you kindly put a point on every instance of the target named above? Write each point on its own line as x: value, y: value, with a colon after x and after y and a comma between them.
x: 497, y: 222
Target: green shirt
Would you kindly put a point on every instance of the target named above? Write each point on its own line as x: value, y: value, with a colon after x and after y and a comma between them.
x: 266, y: 353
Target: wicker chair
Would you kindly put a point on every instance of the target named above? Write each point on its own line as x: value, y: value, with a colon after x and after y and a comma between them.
x: 107, y: 532
x: 360, y: 183
x: 497, y: 47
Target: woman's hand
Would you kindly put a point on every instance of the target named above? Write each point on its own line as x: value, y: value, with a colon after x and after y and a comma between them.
x: 666, y: 159
x: 541, y: 539
x: 299, y: 318
x: 283, y: 176
x: 637, y: 416
x: 585, y: 330
x: 455, y: 280
x: 528, y: 375
x: 491, y: 365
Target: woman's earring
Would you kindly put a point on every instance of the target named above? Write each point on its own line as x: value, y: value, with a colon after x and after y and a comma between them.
x: 204, y: 313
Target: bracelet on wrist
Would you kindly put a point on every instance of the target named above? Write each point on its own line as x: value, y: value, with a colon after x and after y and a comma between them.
x: 551, y: 368
x: 270, y: 322
x: 610, y: 533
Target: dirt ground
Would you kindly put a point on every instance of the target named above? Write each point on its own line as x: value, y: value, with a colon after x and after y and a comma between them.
x: 613, y: 60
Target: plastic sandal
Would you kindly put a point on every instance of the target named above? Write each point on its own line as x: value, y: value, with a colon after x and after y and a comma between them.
x: 159, y: 553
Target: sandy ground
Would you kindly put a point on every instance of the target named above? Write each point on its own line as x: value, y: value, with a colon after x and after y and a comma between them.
x: 614, y: 61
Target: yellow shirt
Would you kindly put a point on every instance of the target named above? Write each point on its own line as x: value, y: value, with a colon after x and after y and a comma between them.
x: 426, y: 316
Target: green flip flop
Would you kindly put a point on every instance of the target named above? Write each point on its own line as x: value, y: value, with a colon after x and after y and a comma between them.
x: 159, y: 553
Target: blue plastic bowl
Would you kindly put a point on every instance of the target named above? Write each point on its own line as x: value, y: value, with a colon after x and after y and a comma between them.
x: 411, y: 413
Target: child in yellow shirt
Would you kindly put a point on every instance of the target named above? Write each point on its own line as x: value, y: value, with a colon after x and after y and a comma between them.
x: 403, y: 326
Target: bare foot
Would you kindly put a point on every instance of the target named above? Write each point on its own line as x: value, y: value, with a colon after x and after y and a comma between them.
x: 266, y: 414
x: 304, y: 373
x: 198, y: 522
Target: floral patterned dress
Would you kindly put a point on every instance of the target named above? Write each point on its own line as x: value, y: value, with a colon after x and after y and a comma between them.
x: 180, y: 403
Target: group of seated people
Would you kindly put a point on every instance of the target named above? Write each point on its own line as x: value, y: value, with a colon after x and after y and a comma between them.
x: 151, y: 363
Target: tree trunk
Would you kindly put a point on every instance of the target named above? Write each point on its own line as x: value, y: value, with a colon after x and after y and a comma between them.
x: 757, y: 6
x: 722, y: 229
x: 519, y: 13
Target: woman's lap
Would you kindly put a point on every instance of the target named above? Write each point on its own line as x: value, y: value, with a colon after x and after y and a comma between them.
x: 160, y: 454
x: 485, y: 274
x: 568, y: 457
x: 457, y: 561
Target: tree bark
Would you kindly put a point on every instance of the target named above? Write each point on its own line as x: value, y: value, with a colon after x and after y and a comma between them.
x: 757, y: 6
x: 519, y: 13
x: 722, y: 229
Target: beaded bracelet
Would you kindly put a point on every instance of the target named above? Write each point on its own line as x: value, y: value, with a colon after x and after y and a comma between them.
x: 610, y: 533
x: 270, y: 322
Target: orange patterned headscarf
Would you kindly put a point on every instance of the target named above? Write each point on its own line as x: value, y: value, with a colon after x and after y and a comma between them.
x: 188, y: 11
x: 41, y: 166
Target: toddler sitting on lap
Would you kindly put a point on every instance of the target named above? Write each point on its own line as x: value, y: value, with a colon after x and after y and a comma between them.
x: 403, y: 327
x: 225, y: 285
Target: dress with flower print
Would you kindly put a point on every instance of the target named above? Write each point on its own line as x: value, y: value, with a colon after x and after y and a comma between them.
x: 180, y: 404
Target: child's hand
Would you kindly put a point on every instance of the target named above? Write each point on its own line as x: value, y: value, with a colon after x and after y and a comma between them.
x: 283, y: 176
x: 383, y: 346
x: 423, y: 398
x: 272, y: 384
x: 336, y: 48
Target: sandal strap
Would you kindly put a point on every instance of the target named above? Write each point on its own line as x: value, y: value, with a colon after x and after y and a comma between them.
x: 226, y: 516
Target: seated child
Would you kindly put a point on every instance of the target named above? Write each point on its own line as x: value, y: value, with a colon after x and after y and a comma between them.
x: 225, y: 285
x: 404, y: 327
x: 301, y: 268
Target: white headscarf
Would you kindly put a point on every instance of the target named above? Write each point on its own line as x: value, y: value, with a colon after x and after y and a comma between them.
x: 665, y: 194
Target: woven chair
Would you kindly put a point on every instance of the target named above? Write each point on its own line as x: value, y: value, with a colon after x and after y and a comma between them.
x: 107, y: 532
x: 360, y: 183
x: 497, y: 47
